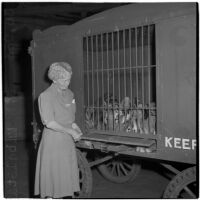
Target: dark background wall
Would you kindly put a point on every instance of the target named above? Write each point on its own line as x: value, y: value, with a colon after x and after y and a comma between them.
x: 19, y: 21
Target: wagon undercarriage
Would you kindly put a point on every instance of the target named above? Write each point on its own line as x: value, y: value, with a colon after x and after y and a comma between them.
x: 118, y: 167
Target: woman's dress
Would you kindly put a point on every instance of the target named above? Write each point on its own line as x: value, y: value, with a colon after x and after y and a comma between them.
x: 57, y: 173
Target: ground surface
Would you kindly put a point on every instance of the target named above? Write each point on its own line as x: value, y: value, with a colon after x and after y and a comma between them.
x: 150, y: 183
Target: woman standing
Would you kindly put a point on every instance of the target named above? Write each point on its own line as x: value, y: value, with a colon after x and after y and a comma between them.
x: 57, y: 173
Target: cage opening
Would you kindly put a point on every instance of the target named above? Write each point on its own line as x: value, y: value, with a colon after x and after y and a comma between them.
x: 120, y: 81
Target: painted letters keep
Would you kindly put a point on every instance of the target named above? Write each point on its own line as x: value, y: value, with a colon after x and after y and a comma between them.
x: 180, y: 143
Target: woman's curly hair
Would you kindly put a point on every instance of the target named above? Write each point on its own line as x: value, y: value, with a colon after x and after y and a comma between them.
x: 59, y: 70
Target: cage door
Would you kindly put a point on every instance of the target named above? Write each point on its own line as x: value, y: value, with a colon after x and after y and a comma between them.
x: 120, y: 81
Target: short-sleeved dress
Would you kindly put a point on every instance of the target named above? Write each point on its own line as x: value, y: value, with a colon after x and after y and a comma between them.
x: 57, y: 173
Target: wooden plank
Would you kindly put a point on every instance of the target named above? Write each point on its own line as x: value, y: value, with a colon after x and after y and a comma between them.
x: 125, y: 134
x: 119, y: 140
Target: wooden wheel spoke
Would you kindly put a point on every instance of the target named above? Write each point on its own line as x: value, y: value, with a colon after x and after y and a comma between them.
x: 118, y: 169
x: 109, y: 164
x: 123, y: 169
x: 128, y: 165
x: 113, y: 168
x: 189, y: 192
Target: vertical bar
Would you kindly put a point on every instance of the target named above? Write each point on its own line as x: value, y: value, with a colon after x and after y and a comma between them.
x: 119, y: 84
x: 92, y: 77
x: 156, y: 77
x: 97, y: 60
x: 124, y: 44
x: 136, y: 66
x: 113, y: 80
x: 149, y: 68
x: 130, y: 41
x: 142, y: 76
x: 102, y: 78
x: 88, y: 75
x: 107, y: 74
x: 88, y: 72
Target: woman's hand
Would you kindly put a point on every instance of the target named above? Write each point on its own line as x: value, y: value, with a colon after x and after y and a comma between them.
x: 76, y: 127
x: 75, y: 134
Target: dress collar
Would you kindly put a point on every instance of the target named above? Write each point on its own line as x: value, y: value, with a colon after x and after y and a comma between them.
x: 59, y: 91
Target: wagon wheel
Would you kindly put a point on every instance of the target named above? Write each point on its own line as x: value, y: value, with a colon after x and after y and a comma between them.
x: 120, y: 170
x: 182, y: 185
x: 85, y: 176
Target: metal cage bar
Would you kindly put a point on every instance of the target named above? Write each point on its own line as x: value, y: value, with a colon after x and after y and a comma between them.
x: 108, y: 80
x: 118, y: 66
x: 88, y: 72
x: 130, y: 63
x: 142, y: 62
x: 136, y: 64
x: 113, y: 77
x: 92, y: 52
x: 102, y: 58
x: 149, y: 77
x: 97, y: 72
x: 124, y: 46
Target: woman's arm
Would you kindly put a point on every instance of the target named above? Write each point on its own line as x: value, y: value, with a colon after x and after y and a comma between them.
x: 47, y: 116
x: 57, y: 127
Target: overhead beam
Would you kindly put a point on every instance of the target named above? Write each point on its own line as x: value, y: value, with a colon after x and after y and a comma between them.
x: 43, y: 18
x: 63, y: 7
x: 65, y: 18
x: 39, y: 22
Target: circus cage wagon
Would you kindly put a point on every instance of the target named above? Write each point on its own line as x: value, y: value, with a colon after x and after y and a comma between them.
x: 134, y: 79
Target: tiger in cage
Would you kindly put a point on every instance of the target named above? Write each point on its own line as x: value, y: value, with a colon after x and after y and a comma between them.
x: 103, y: 114
x: 89, y: 115
x: 150, y: 119
x: 120, y: 116
x: 110, y: 112
x: 140, y: 120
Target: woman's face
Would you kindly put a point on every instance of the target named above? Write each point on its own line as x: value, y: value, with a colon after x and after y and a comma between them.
x: 64, y: 83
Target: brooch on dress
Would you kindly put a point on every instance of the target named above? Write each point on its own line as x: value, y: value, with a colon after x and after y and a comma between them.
x: 69, y: 104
